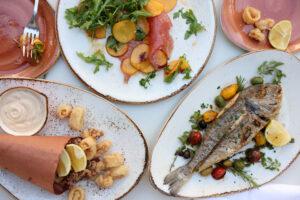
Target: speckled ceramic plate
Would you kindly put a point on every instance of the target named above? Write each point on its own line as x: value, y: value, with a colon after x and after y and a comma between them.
x: 14, y: 15
x: 237, y: 31
x: 110, y: 84
x: 126, y: 138
x: 205, y: 92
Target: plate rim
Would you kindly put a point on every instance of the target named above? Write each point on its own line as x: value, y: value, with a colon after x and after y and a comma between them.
x: 175, y: 110
x: 146, y: 160
x: 57, y: 53
x: 238, y: 44
x: 183, y: 87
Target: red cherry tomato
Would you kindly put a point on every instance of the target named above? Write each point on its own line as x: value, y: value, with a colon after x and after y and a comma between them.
x: 218, y: 173
x: 253, y: 155
x: 195, y: 138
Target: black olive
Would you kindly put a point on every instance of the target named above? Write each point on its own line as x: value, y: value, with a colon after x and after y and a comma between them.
x: 202, y: 124
x: 186, y: 154
x: 180, y: 153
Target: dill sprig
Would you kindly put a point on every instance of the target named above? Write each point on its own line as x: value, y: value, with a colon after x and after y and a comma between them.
x: 243, y: 174
x: 241, y: 82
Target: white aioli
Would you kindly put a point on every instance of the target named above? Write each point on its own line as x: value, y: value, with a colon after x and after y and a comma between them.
x: 23, y: 111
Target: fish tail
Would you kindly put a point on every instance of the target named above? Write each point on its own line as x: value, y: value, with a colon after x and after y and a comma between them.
x: 177, y: 178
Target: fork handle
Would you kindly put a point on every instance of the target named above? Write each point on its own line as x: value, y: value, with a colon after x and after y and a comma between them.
x: 35, y: 8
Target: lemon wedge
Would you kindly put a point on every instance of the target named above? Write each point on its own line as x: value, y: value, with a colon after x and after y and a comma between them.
x: 64, y: 164
x: 280, y: 34
x: 276, y: 134
x: 78, y: 157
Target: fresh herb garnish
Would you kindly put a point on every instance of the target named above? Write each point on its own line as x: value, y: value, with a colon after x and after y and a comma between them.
x: 269, y: 163
x: 171, y: 77
x: 241, y: 82
x: 292, y: 140
x: 145, y: 81
x: 97, y: 58
x: 191, y: 19
x: 113, y: 43
x: 187, y: 72
x: 92, y: 14
x: 244, y: 175
x: 139, y: 34
x: 268, y: 68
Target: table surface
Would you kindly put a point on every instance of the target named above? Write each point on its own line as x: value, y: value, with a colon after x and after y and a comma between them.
x: 158, y: 113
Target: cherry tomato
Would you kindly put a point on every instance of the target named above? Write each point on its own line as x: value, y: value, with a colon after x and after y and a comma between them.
x: 253, y: 155
x: 195, y: 138
x: 218, y: 173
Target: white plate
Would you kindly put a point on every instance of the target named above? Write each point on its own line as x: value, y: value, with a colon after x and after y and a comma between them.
x: 126, y: 138
x: 110, y: 84
x: 205, y: 92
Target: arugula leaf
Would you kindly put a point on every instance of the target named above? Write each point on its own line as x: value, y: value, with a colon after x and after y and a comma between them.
x: 113, y: 43
x: 268, y: 68
x: 140, y: 34
x: 240, y: 82
x: 171, y: 77
x: 145, y: 81
x: 91, y: 14
x: 194, y: 25
x: 97, y: 58
x: 187, y: 72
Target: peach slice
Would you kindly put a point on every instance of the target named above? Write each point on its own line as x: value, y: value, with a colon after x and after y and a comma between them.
x: 168, y: 4
x: 144, y: 24
x: 124, y: 31
x: 147, y: 69
x: 160, y: 59
x: 146, y: 40
x: 99, y: 33
x: 154, y: 7
x: 184, y: 64
x: 127, y: 68
x: 118, y: 52
x: 139, y: 56
x: 173, y: 66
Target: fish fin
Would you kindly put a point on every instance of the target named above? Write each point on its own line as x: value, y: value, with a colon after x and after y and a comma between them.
x: 177, y: 178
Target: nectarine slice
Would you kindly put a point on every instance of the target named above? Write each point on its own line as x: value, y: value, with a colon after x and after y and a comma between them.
x: 146, y: 40
x: 127, y: 68
x: 147, y: 69
x: 124, y: 31
x: 160, y: 59
x: 184, y: 64
x: 118, y: 51
x: 99, y: 33
x: 168, y: 4
x: 139, y: 56
x: 144, y: 24
x: 172, y: 66
x: 154, y: 7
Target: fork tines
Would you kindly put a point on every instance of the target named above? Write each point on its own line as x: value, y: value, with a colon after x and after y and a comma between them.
x: 28, y: 39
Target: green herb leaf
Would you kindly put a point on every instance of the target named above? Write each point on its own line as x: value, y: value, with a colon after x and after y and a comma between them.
x: 268, y: 68
x: 194, y: 25
x: 241, y: 82
x: 145, y: 81
x: 171, y: 77
x: 187, y: 72
x: 140, y: 34
x: 113, y: 43
x: 97, y: 58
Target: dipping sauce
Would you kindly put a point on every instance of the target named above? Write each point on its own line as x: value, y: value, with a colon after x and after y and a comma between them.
x: 14, y: 15
x: 23, y: 111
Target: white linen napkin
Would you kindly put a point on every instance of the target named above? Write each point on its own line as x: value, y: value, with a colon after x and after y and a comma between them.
x: 266, y: 192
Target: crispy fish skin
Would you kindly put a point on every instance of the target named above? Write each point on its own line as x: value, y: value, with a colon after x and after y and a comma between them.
x: 252, y: 110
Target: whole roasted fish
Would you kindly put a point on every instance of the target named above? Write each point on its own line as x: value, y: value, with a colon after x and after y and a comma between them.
x: 250, y: 111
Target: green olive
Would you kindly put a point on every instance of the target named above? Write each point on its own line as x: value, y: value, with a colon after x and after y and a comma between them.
x: 220, y: 102
x: 238, y: 164
x: 257, y: 80
x: 207, y: 171
x: 227, y: 163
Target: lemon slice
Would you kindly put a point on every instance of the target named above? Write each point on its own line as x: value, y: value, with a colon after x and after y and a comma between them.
x: 78, y: 158
x: 64, y: 164
x: 276, y: 134
x: 280, y: 34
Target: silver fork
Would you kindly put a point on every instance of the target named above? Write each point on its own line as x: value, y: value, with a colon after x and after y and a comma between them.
x: 31, y: 30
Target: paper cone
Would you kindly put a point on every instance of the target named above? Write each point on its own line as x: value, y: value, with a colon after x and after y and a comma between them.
x: 32, y: 158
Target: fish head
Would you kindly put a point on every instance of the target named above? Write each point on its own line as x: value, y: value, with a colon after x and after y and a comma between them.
x: 264, y: 100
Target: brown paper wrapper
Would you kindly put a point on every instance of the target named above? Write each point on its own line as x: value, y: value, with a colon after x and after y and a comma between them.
x: 32, y: 158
